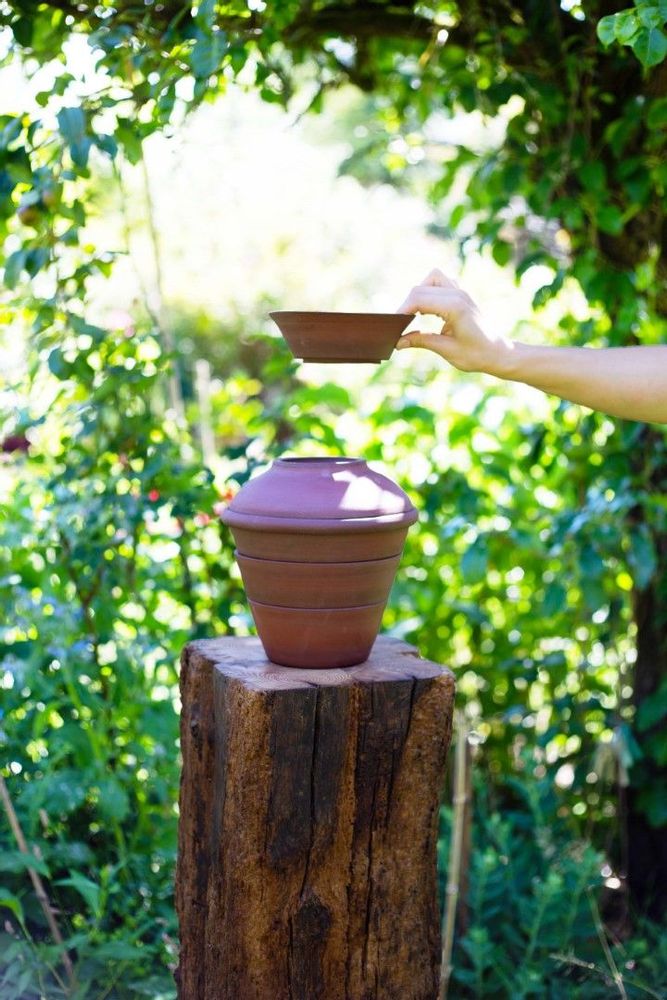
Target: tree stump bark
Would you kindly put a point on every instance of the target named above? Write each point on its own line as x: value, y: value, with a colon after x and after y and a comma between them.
x: 308, y: 825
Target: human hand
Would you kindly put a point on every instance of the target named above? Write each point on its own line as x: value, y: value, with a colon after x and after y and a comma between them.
x: 462, y: 341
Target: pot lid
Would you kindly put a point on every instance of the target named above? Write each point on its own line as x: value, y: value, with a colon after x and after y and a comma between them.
x: 319, y: 494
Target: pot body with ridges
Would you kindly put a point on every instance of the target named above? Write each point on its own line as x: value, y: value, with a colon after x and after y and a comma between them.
x: 318, y: 544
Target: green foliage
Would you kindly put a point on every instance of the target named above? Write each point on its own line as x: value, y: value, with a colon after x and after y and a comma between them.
x: 114, y: 559
x: 533, y: 926
x: 641, y: 27
x: 558, y: 165
x: 111, y: 561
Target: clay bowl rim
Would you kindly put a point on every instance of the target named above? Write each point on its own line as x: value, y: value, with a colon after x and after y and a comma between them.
x: 318, y: 611
x: 336, y: 314
x: 299, y: 461
x: 321, y: 565
x: 319, y: 526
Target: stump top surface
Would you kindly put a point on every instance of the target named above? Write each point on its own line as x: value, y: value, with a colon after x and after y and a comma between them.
x: 243, y: 658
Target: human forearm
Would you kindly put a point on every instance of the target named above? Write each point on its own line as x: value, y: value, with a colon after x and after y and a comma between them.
x: 629, y: 382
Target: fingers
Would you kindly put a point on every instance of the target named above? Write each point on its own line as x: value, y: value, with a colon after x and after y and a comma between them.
x: 434, y: 279
x: 429, y: 341
x: 438, y: 278
x: 445, y: 301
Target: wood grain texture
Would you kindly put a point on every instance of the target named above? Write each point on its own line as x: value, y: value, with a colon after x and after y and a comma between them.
x: 195, y: 817
x: 320, y: 803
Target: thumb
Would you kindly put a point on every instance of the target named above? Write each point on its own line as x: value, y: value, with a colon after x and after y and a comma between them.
x: 429, y: 341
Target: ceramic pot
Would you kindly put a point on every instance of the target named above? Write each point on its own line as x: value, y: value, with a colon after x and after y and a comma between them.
x: 317, y: 638
x: 303, y: 545
x: 320, y: 510
x: 336, y: 336
x: 318, y: 543
x: 318, y: 584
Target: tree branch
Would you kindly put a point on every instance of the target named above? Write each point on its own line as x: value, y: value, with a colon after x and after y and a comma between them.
x: 38, y: 885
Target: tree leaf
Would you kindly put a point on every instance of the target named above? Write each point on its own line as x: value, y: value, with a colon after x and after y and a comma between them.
x: 207, y: 54
x: 57, y: 364
x: 626, y: 25
x: 502, y: 252
x: 206, y: 13
x: 555, y: 599
x: 87, y: 889
x: 606, y: 29
x: 118, y: 950
x: 72, y: 124
x: 593, y: 176
x: 650, y: 46
x: 22, y: 29
x: 657, y: 116
x: 650, y: 16
x: 474, y: 561
x: 590, y: 562
x: 609, y: 219
x: 10, y: 902
x: 35, y: 260
x: 18, y: 861
x: 113, y: 802
x: 13, y: 267
x: 129, y: 139
x: 10, y: 132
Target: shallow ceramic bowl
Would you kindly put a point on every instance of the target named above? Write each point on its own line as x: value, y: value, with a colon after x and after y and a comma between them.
x: 317, y: 638
x: 341, y: 337
x: 317, y: 585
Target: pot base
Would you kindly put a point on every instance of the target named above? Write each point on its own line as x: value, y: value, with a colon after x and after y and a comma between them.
x: 317, y: 638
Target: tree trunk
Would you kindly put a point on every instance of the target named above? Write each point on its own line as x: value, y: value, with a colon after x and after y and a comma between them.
x: 646, y: 828
x: 308, y: 825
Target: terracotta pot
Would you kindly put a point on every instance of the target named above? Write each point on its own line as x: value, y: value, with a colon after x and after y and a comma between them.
x: 338, y: 336
x: 320, y: 510
x: 319, y: 541
x: 303, y: 545
x: 317, y: 638
x: 316, y: 584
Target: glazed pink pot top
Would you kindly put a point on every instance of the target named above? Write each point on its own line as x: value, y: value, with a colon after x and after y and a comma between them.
x: 321, y: 489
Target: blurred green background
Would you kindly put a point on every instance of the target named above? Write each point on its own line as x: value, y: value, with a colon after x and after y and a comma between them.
x: 167, y: 176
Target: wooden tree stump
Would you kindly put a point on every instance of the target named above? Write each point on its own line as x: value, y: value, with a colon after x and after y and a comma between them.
x: 308, y: 825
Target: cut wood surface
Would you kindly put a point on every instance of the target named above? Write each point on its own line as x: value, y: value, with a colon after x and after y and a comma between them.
x: 308, y: 825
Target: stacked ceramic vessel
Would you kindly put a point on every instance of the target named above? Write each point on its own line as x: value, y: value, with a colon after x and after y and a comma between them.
x: 318, y: 542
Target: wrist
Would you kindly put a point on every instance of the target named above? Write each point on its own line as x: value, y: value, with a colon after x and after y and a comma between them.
x: 504, y: 360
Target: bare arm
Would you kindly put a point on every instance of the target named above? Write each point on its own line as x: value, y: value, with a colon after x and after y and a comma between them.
x: 629, y: 382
